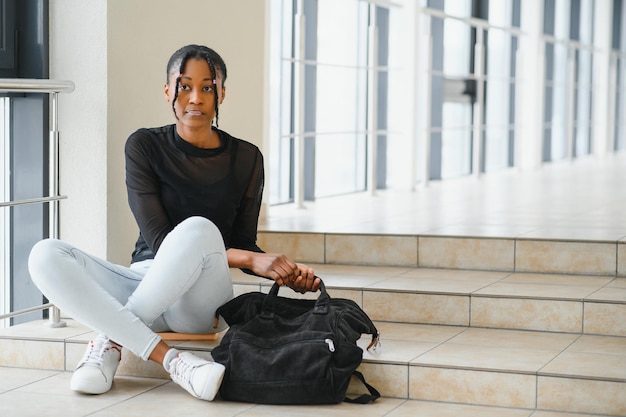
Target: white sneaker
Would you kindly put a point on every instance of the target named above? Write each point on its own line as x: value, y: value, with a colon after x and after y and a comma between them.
x: 94, y: 374
x: 201, y: 378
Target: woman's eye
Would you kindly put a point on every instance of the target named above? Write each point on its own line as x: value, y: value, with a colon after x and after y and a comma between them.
x: 207, y: 89
x: 183, y: 87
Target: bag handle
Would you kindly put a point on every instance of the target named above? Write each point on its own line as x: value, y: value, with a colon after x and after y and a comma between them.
x: 321, y: 304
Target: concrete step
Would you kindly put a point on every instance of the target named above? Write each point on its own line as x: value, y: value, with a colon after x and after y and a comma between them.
x: 562, y: 372
x: 584, y: 304
x: 563, y: 254
x: 482, y: 338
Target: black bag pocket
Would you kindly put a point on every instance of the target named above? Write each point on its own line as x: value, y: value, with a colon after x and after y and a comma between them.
x: 291, y: 369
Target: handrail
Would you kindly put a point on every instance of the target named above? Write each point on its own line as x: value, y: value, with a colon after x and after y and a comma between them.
x: 32, y: 201
x: 31, y: 85
x: 52, y: 87
x: 26, y: 310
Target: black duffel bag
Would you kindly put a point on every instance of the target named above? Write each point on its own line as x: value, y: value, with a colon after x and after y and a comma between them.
x: 282, y: 350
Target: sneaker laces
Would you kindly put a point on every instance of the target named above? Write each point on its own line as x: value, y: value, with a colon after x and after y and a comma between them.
x: 97, y: 347
x: 184, y: 370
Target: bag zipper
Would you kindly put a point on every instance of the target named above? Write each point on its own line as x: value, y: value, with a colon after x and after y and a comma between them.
x: 331, y: 344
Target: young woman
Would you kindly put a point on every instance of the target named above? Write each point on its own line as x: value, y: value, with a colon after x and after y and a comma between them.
x: 195, y: 192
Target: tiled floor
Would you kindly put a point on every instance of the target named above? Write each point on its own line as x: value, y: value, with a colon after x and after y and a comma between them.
x: 582, y: 200
x: 579, y: 200
x: 36, y: 393
x: 516, y: 354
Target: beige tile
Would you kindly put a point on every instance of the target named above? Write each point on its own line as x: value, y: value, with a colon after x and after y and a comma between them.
x: 390, y: 380
x: 52, y: 397
x: 39, y: 330
x: 32, y: 354
x: 429, y: 285
x: 538, y: 291
x: 356, y: 282
x: 599, y: 344
x: 472, y: 387
x: 355, y: 276
x: 239, y: 289
x: 482, y: 230
x: 478, y: 277
x: 565, y: 257
x: 28, y: 404
x: 486, y: 358
x: 618, y: 283
x: 527, y: 314
x: 581, y: 395
x: 168, y: 400
x: 12, y: 378
x: 379, y: 408
x: 417, y: 308
x: 587, y: 365
x: 73, y: 354
x: 546, y: 286
x: 516, y: 339
x: 123, y: 387
x: 394, y: 351
x: 354, y: 295
x: 436, y: 409
x: 621, y: 258
x: 372, y: 250
x: 134, y: 366
x: 358, y: 271
x: 594, y: 232
x: 240, y: 277
x: 467, y: 253
x: 416, y: 332
x: 593, y: 281
x: 560, y: 414
x: 605, y: 319
x: 609, y: 293
x: 302, y: 247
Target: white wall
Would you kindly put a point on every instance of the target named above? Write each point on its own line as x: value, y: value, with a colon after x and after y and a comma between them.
x: 116, y: 53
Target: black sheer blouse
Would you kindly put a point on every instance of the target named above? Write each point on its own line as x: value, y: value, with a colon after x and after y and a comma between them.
x: 169, y: 180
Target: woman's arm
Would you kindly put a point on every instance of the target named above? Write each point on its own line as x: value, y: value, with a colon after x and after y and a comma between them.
x: 143, y: 188
x: 277, y: 267
x: 244, y: 252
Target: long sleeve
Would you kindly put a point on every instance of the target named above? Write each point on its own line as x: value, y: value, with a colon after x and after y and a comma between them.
x: 144, y: 194
x: 244, y: 232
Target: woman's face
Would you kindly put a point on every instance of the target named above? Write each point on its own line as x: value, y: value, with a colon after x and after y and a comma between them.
x: 195, y: 104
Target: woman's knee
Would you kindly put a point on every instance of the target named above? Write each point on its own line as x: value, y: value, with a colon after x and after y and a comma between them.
x: 198, y: 223
x: 199, y: 229
x: 45, y: 252
x: 193, y: 236
x: 44, y: 258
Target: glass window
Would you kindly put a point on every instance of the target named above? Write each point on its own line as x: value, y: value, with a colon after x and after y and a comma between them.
x: 452, y: 107
x: 500, y: 88
x: 557, y: 77
x: 319, y: 104
x: 5, y: 254
x: 583, y: 81
x: 24, y: 134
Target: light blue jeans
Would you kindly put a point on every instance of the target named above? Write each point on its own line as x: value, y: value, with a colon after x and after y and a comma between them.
x: 179, y: 290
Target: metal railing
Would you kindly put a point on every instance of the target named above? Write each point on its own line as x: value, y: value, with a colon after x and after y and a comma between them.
x: 53, y: 88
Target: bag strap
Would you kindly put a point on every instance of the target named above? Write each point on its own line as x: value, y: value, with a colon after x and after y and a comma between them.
x: 321, y: 304
x: 364, y: 398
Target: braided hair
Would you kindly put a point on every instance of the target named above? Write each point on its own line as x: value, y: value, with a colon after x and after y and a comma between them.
x: 180, y: 58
